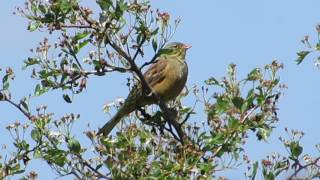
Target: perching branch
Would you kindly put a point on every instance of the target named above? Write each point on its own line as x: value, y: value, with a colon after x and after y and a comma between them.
x: 296, y: 172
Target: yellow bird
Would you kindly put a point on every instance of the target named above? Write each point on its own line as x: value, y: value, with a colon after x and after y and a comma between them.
x: 167, y: 77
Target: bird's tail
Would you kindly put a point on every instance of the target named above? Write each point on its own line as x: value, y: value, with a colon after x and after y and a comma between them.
x: 126, y: 109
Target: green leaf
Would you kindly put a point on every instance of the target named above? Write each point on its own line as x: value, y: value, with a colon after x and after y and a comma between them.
x: 105, y: 4
x: 37, y: 154
x: 237, y: 102
x: 67, y: 98
x: 212, y: 81
x: 233, y: 123
x: 205, y: 167
x: 254, y: 75
x: 74, y: 145
x: 263, y: 133
x: 248, y: 103
x: 24, y: 104
x: 40, y: 90
x: 120, y: 8
x: 222, y: 105
x: 154, y: 45
x: 36, y: 135
x: 65, y: 6
x: 295, y: 149
x: 217, y: 139
x: 280, y: 167
x: 254, y: 170
x: 270, y: 176
x: 301, y: 56
x: 81, y: 35
x: 16, y: 170
x: 79, y: 46
x: 261, y: 99
x: 6, y: 82
x: 185, y: 110
x: 43, y: 8
x: 154, y: 32
x: 34, y: 25
x: 23, y: 145
x: 30, y: 62
x: 56, y: 156
x: 99, y: 166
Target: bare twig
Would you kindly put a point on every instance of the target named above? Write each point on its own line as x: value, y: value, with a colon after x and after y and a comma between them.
x: 85, y: 163
x: 25, y: 113
x: 296, y: 172
x: 77, y: 26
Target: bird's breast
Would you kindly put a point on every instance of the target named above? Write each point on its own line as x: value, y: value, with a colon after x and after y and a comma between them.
x: 176, y: 74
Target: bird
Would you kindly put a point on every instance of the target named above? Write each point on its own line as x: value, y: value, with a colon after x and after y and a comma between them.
x: 166, y: 77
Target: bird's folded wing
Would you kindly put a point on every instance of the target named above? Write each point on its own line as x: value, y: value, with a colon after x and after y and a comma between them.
x: 156, y: 73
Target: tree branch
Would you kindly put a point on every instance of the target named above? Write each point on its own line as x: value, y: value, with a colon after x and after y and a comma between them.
x: 296, y: 172
x: 25, y: 113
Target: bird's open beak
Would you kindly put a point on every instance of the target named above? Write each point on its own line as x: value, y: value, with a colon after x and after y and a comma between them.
x: 186, y: 46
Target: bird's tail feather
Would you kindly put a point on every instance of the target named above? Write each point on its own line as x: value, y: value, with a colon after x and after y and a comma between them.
x: 126, y: 109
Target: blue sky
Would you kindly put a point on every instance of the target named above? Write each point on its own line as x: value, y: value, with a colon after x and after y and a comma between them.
x: 249, y: 33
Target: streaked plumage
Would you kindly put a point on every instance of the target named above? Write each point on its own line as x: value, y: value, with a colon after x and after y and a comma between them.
x: 166, y: 76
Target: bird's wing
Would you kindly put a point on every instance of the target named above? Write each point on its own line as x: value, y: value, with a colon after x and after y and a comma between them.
x: 156, y: 73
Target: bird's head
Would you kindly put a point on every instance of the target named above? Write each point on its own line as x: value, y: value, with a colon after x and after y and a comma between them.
x: 175, y: 49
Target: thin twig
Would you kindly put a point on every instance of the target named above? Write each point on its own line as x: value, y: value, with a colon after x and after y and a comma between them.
x: 77, y: 26
x: 84, y: 162
x: 25, y: 113
x: 304, y: 167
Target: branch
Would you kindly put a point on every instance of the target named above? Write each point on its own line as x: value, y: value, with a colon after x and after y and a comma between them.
x: 24, y: 112
x: 304, y: 167
x: 84, y: 73
x: 85, y: 163
x: 150, y: 62
x: 77, y: 26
